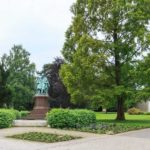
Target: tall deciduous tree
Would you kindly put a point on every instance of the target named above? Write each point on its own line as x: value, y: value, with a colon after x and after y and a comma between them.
x: 21, y: 79
x: 105, y: 39
x: 57, y: 91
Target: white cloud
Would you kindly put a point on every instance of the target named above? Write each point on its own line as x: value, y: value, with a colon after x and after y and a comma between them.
x: 39, y: 25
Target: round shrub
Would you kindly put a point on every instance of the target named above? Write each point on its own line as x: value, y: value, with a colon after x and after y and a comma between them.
x: 66, y: 118
x: 84, y: 117
x: 61, y: 118
x: 6, y: 118
x: 134, y: 111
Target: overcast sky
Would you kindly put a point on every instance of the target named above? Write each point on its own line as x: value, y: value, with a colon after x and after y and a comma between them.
x: 38, y: 25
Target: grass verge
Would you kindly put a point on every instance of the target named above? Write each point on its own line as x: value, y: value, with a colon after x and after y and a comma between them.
x: 106, y: 124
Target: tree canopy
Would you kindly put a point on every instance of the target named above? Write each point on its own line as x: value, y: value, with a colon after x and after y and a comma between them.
x: 103, y: 44
x: 5, y: 93
x: 142, y: 75
x: 59, y: 96
x: 18, y: 78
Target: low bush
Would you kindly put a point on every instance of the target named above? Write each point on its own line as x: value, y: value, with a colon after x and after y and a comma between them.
x: 16, y: 113
x: 6, y: 117
x: 84, y: 117
x: 24, y: 114
x: 147, y: 113
x: 61, y: 118
x: 134, y: 111
x: 66, y: 118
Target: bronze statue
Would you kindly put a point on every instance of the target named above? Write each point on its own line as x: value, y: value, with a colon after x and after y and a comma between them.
x: 42, y: 85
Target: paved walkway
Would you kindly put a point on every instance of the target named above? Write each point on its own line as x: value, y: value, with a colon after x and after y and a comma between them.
x: 139, y: 140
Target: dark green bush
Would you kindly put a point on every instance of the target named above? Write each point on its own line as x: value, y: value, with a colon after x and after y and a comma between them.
x: 147, y: 113
x: 134, y: 111
x: 6, y: 118
x: 66, y: 118
x: 84, y: 117
x: 24, y: 113
x: 61, y: 118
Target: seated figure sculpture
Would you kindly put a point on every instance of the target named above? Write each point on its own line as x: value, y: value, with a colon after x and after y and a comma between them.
x: 42, y: 85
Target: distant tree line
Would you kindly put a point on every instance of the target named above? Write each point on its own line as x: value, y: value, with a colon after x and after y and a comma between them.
x: 17, y: 81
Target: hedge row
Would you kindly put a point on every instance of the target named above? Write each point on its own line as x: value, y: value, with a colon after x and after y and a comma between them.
x: 8, y: 115
x: 66, y: 118
x: 24, y: 113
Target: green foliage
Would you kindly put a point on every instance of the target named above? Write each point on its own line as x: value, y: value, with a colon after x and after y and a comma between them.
x: 5, y: 93
x: 142, y: 76
x: 134, y: 111
x: 61, y: 118
x: 107, y: 125
x: 43, y: 137
x: 66, y: 118
x: 7, y: 117
x: 16, y: 113
x: 113, y: 127
x: 83, y: 81
x: 59, y: 96
x: 83, y: 117
x: 147, y: 113
x: 23, y: 113
x: 102, y: 46
x: 20, y: 79
x: 133, y: 122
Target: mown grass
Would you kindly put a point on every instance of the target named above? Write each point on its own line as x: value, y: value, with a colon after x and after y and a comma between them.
x: 131, y: 120
x: 106, y: 123
x: 112, y: 116
x: 43, y: 137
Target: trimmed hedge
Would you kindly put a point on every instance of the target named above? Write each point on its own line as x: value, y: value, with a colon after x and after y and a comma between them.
x: 6, y: 117
x: 67, y: 118
x: 23, y: 113
x: 17, y: 113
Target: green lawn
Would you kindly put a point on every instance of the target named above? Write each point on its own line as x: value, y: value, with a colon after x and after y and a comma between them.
x: 106, y: 123
x: 112, y: 116
x: 131, y: 120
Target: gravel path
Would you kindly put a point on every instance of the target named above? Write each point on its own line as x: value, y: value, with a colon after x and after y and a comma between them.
x: 139, y: 140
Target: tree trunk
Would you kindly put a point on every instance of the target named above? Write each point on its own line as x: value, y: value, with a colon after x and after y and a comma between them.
x: 120, y: 109
x: 120, y: 101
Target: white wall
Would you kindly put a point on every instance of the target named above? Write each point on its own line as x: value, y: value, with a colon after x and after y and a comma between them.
x: 144, y: 106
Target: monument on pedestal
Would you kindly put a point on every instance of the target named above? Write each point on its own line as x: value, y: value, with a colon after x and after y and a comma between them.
x: 41, y: 103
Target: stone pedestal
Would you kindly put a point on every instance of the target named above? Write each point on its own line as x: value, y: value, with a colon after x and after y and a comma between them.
x: 41, y: 107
